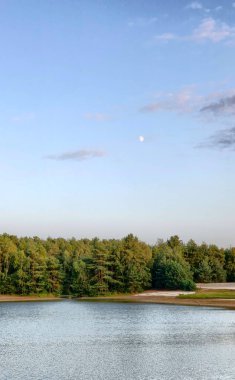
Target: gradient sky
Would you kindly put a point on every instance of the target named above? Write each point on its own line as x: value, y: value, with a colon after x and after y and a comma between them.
x: 81, y: 82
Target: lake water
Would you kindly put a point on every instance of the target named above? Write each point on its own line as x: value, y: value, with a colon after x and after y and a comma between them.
x: 88, y: 340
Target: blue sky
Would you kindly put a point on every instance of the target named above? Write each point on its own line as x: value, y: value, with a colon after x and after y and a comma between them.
x: 117, y: 117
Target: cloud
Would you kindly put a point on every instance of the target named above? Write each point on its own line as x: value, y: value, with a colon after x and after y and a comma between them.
x: 142, y: 22
x: 219, y: 8
x: 182, y: 101
x: 77, y: 155
x: 209, y: 30
x: 97, y: 116
x: 166, y: 37
x: 224, y: 105
x: 214, y: 31
x: 216, y: 107
x: 195, y: 5
x: 211, y: 107
x: 222, y: 140
x: 233, y: 5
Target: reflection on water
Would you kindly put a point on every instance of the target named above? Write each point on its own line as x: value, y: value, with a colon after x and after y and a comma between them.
x: 72, y: 340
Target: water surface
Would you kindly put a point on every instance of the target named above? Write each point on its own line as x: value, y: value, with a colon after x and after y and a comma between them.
x: 87, y: 340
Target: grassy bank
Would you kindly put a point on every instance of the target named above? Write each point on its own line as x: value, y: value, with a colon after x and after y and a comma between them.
x: 219, y: 294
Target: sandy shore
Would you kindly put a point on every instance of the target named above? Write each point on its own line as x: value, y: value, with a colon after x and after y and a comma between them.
x: 171, y: 297
x: 217, y: 286
x: 7, y: 298
x: 149, y: 296
x: 225, y: 303
x: 157, y: 299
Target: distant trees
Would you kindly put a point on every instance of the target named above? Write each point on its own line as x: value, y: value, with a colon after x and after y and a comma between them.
x: 207, y: 262
x: 170, y: 270
x: 92, y: 267
x: 76, y: 267
x: 229, y: 264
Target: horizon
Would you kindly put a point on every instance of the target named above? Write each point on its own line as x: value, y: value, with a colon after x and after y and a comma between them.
x: 151, y: 244
x: 118, y: 117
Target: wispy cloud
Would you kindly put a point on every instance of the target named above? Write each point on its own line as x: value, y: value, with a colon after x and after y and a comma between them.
x: 233, y: 4
x: 216, y: 107
x: 214, y: 31
x: 77, y: 155
x: 195, y: 5
x: 23, y: 117
x: 142, y: 22
x: 182, y: 101
x: 223, y: 106
x: 209, y: 30
x: 213, y: 106
x: 167, y: 37
x: 97, y: 116
x: 224, y: 139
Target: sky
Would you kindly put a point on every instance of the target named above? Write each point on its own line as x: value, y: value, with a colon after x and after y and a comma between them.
x: 118, y: 117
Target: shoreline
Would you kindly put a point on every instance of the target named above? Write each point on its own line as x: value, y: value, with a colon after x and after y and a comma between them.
x: 169, y: 297
x: 149, y: 296
x: 213, y: 302
x: 14, y: 298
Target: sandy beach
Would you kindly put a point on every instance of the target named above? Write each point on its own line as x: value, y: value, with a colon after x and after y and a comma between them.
x: 159, y: 299
x: 13, y: 298
x: 172, y: 297
x: 148, y: 296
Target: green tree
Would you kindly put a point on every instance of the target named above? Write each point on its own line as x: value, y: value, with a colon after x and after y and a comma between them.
x: 170, y: 270
x: 101, y: 276
x: 135, y: 259
x: 229, y: 265
x: 7, y: 251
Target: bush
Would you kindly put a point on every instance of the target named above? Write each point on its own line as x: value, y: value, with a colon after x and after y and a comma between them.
x: 188, y: 285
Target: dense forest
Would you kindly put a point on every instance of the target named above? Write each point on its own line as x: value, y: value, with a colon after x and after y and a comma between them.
x: 93, y: 267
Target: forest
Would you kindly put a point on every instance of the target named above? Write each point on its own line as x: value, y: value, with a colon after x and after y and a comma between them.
x: 30, y: 265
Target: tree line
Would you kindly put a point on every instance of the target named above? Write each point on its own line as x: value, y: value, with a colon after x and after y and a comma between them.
x: 92, y: 267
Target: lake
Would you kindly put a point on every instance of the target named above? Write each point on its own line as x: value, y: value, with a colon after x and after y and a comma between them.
x: 93, y: 340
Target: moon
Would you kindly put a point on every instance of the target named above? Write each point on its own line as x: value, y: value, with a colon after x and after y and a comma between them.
x: 141, y: 139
